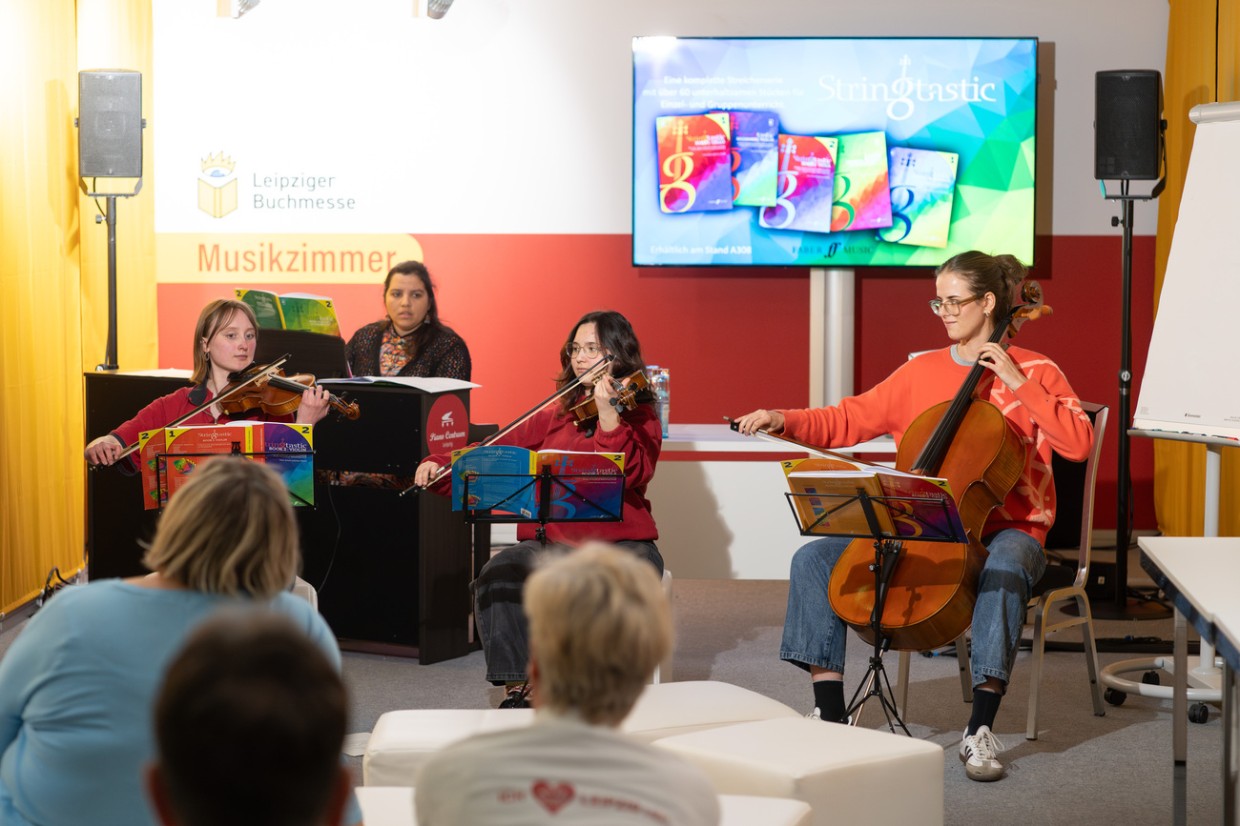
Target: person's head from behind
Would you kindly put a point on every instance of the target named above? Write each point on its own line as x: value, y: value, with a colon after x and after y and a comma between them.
x: 249, y: 725
x: 230, y: 530
x: 226, y: 335
x: 409, y: 297
x: 599, y: 625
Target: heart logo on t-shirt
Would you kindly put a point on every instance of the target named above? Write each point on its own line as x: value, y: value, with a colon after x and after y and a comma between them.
x: 553, y: 798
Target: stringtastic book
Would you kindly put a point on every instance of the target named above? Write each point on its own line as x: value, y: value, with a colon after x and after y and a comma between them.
x: 826, y: 500
x: 584, y: 486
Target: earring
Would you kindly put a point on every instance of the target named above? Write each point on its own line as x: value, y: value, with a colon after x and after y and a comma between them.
x: 986, y: 313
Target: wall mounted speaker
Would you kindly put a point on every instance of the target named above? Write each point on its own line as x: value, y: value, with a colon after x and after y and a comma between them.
x: 110, y: 124
x: 1128, y: 125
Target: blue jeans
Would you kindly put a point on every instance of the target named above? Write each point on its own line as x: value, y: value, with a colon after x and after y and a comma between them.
x: 815, y: 636
x: 502, y: 625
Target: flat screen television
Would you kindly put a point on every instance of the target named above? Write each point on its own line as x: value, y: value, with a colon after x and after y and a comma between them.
x: 832, y: 152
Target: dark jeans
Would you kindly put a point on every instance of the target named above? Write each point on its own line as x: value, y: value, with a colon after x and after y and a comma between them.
x: 497, y: 603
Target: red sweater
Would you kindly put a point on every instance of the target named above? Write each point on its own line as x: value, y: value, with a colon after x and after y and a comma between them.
x: 1044, y: 411
x: 639, y: 437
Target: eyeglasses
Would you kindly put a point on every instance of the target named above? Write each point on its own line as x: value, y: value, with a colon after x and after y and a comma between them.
x: 952, y: 305
x: 591, y: 350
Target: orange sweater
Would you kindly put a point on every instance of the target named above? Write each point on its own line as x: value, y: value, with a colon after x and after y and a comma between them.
x: 1044, y: 411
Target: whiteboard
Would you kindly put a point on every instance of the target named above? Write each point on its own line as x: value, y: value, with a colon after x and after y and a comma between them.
x: 1192, y: 374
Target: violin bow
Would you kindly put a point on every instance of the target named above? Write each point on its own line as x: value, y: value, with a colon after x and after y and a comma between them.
x: 821, y: 451
x: 508, y: 428
x: 230, y: 390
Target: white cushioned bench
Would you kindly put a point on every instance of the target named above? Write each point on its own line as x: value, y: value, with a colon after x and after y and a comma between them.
x: 845, y: 774
x: 401, y: 740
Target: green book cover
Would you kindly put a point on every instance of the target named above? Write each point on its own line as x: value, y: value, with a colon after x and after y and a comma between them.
x: 312, y: 313
x: 266, y: 307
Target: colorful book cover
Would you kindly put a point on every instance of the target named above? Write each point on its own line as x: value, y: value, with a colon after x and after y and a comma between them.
x: 827, y: 501
x: 186, y: 448
x: 694, y: 153
x: 586, y: 486
x: 862, y: 196
x: 151, y: 468
x: 755, y: 158
x: 494, y: 477
x: 266, y: 307
x: 806, y: 185
x: 923, y: 185
x: 312, y: 313
x: 288, y: 449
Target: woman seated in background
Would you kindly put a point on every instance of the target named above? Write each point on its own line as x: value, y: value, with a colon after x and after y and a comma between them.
x: 637, y: 433
x: 411, y: 341
x: 78, y: 684
x: 224, y: 342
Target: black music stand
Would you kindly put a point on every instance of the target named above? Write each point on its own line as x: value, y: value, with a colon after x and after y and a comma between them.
x: 887, y: 547
x: 556, y: 498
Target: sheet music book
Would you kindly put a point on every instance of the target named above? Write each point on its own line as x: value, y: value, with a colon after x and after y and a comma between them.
x: 504, y: 477
x: 826, y: 500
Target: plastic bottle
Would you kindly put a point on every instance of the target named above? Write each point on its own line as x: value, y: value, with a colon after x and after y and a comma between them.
x: 660, y: 383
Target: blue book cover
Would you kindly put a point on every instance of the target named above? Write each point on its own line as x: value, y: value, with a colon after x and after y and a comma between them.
x: 755, y: 158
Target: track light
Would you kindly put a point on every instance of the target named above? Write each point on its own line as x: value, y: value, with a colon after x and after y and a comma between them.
x: 437, y: 8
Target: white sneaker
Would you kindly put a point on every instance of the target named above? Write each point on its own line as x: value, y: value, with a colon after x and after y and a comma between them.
x: 980, y: 755
x: 816, y: 714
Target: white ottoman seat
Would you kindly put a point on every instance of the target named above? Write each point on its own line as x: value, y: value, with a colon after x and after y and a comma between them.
x: 403, y: 739
x: 845, y: 774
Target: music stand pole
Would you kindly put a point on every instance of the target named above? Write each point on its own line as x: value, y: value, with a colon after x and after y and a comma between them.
x: 874, y: 682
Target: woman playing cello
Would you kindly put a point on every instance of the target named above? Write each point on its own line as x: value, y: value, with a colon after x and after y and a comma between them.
x: 974, y: 291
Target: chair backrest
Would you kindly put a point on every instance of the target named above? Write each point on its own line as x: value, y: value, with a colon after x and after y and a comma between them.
x: 1074, y: 494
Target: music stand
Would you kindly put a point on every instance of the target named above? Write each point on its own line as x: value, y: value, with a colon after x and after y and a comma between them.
x: 556, y: 499
x: 888, y: 536
x: 322, y: 356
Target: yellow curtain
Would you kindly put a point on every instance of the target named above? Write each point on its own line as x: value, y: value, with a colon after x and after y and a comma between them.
x: 1198, y: 71
x: 53, y: 273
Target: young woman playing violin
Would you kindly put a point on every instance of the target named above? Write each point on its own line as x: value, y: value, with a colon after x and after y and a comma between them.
x: 635, y: 432
x: 224, y: 342
x: 974, y: 291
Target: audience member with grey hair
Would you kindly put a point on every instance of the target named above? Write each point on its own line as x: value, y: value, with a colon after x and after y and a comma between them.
x: 599, y: 624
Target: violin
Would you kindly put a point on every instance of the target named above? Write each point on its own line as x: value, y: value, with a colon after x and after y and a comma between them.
x: 626, y: 398
x: 278, y: 395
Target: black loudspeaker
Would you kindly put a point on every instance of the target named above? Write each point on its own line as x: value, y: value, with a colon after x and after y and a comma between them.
x: 1128, y: 125
x: 110, y: 124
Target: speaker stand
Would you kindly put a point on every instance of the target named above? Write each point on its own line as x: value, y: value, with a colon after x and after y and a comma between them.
x: 1121, y: 606
x: 109, y: 214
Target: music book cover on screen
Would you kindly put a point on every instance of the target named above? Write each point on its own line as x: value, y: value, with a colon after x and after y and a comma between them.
x: 806, y: 185
x: 755, y: 158
x: 862, y: 193
x: 923, y: 187
x: 695, y: 162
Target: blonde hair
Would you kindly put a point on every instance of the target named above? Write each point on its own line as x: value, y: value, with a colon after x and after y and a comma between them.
x: 230, y: 530
x: 211, y: 320
x: 599, y: 625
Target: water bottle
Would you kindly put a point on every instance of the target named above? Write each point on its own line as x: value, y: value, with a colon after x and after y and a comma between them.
x: 660, y: 383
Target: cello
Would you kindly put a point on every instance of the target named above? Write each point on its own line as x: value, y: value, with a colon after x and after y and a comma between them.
x: 933, y: 588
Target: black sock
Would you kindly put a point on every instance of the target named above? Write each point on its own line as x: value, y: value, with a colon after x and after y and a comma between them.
x: 985, y: 707
x: 829, y: 698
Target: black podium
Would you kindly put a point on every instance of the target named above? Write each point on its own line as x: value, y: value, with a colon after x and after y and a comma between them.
x: 392, y: 572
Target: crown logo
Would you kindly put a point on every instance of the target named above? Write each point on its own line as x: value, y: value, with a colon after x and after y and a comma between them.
x: 218, y: 165
x: 217, y: 189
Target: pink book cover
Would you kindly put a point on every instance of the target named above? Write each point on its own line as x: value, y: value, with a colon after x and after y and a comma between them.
x: 862, y: 194
x: 695, y: 159
x: 806, y: 184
